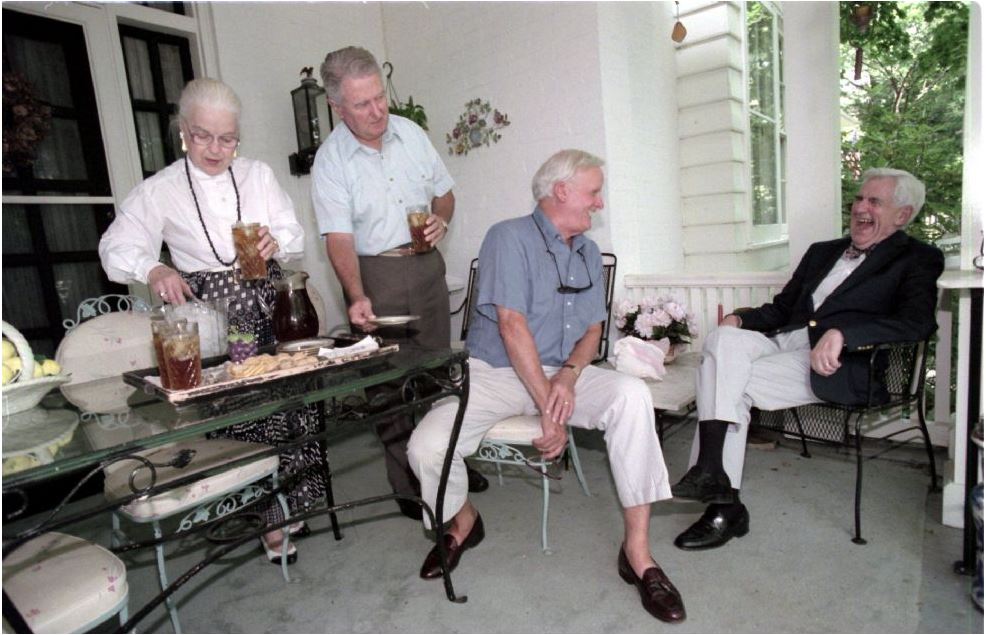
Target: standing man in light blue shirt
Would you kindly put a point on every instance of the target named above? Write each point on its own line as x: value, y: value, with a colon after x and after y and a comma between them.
x: 535, y: 331
x: 365, y: 176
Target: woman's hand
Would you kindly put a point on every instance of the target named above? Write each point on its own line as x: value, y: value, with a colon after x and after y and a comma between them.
x: 267, y: 245
x: 168, y: 284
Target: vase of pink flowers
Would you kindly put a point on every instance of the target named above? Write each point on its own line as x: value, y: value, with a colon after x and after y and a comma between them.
x: 663, y: 320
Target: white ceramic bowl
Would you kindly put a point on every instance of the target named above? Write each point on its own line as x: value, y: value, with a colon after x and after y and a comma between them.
x: 25, y: 393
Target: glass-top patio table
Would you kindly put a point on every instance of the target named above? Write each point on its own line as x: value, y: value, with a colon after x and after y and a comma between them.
x: 92, y: 441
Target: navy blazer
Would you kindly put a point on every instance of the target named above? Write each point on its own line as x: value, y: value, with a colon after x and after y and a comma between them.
x: 890, y: 297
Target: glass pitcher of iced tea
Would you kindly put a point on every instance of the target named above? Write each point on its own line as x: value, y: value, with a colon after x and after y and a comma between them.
x: 294, y: 313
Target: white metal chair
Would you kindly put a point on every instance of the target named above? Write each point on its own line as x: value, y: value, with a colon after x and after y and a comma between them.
x: 499, y: 446
x: 110, y: 343
x: 63, y: 584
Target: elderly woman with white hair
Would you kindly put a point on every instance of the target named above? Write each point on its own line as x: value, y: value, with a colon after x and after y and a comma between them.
x: 190, y: 206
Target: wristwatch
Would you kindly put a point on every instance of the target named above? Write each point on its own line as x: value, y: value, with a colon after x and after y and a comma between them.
x: 575, y: 369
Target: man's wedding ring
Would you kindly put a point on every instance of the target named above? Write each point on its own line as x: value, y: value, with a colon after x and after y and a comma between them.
x: 164, y: 295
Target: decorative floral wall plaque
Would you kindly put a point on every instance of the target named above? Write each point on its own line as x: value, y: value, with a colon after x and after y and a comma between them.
x: 476, y: 127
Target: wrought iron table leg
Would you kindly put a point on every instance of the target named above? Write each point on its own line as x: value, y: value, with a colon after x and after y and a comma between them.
x: 967, y: 565
x: 438, y: 525
x: 326, y: 470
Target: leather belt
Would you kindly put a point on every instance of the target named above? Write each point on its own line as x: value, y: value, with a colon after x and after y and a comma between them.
x: 397, y: 252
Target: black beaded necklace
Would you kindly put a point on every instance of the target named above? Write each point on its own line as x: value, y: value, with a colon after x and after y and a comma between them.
x: 188, y: 174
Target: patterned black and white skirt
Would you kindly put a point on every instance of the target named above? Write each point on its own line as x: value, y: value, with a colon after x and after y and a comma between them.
x: 250, y: 310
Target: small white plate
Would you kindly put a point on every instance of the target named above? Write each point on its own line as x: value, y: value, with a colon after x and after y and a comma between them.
x: 394, y: 320
x: 312, y: 344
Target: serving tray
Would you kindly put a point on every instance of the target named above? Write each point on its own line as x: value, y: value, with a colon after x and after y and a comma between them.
x: 216, y: 383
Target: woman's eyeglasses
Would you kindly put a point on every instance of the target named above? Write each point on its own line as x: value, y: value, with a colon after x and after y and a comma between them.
x: 205, y: 139
x: 562, y: 287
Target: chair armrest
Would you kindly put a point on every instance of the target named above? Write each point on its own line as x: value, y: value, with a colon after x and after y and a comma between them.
x: 882, y: 357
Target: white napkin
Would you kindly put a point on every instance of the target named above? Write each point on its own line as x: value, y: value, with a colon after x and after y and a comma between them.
x: 640, y: 358
x: 365, y: 345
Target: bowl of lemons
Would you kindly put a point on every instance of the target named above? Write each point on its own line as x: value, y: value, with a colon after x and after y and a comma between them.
x: 26, y: 378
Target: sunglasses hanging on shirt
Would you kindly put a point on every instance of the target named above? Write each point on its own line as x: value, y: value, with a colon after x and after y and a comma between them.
x: 564, y: 288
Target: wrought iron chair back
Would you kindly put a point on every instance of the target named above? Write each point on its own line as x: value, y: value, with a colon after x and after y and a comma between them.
x: 896, y: 379
x: 499, y: 446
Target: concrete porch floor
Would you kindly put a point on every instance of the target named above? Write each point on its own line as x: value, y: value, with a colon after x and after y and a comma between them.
x: 796, y: 571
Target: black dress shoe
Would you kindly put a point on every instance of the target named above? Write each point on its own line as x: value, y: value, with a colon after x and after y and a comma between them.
x: 699, y: 485
x: 410, y: 509
x: 657, y: 594
x: 477, y: 482
x: 432, y: 566
x: 717, y: 525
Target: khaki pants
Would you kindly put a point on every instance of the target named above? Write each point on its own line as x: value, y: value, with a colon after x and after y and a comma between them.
x: 617, y: 404
x: 741, y: 369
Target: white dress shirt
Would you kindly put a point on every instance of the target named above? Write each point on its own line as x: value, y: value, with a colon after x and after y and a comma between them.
x: 841, y: 270
x: 162, y: 209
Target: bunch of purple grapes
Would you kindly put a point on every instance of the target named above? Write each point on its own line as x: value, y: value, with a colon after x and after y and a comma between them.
x: 241, y: 346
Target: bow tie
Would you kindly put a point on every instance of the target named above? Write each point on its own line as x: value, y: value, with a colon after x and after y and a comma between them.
x: 853, y: 252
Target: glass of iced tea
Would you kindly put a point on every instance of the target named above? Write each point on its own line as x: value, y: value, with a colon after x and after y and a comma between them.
x: 159, y: 329
x: 182, y: 355
x: 417, y: 219
x: 245, y: 240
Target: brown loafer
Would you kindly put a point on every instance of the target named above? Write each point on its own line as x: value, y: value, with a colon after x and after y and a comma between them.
x: 657, y: 594
x: 432, y: 567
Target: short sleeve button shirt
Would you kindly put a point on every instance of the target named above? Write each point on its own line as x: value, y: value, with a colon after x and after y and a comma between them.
x: 361, y: 191
x: 517, y: 272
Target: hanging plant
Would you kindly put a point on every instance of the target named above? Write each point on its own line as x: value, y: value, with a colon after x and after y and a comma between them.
x: 476, y: 127
x: 410, y: 110
x: 26, y: 121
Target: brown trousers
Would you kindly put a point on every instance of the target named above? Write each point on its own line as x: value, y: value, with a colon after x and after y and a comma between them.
x: 408, y: 285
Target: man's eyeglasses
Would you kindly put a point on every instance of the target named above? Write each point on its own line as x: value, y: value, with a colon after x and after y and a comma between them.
x: 205, y: 139
x: 562, y: 287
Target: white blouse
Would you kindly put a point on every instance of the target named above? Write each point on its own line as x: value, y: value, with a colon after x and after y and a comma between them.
x: 162, y: 209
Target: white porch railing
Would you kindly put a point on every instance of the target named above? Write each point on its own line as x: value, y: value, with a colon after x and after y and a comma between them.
x: 704, y: 293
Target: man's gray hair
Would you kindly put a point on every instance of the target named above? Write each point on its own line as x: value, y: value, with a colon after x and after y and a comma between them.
x: 208, y: 93
x: 560, y: 168
x: 908, y: 190
x: 351, y: 61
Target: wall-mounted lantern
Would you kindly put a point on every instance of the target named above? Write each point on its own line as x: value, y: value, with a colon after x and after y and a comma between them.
x: 312, y: 121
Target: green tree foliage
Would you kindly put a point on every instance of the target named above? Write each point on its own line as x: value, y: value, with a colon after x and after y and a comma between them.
x: 909, y: 103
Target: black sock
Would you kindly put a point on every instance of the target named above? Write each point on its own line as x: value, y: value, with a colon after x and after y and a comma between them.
x: 711, y: 437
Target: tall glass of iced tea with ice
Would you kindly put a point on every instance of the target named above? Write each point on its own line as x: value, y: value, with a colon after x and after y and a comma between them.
x: 417, y: 220
x: 245, y: 240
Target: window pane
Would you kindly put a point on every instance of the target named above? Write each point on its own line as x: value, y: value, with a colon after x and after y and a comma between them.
x: 60, y: 155
x: 23, y: 306
x: 16, y: 233
x: 149, y: 137
x: 174, y: 78
x: 43, y: 64
x: 69, y: 228
x: 761, y: 59
x: 77, y: 281
x: 138, y: 63
x: 763, y: 172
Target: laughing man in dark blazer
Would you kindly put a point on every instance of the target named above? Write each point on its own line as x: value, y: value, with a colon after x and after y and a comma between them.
x: 876, y: 285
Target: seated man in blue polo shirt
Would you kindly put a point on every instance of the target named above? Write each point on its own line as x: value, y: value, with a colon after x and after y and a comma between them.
x: 535, y: 330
